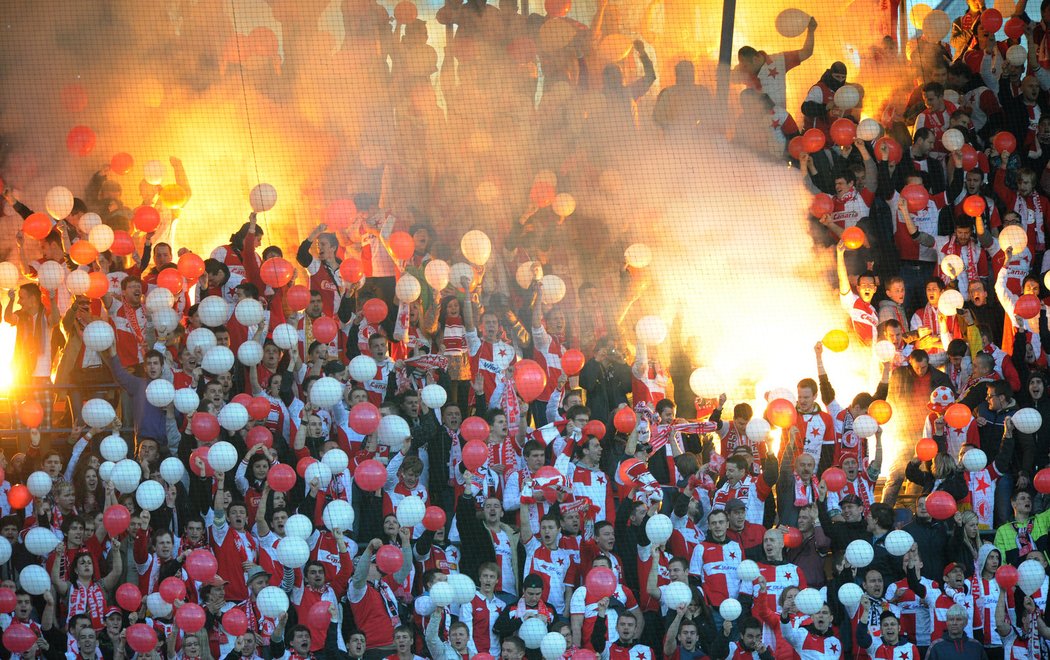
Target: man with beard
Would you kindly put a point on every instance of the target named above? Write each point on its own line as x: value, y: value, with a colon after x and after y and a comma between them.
x: 819, y: 107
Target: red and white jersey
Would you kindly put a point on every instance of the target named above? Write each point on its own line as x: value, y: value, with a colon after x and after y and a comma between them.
x: 1016, y: 647
x: 852, y: 207
x: 1032, y: 208
x: 772, y: 77
x: 232, y: 548
x: 778, y: 578
x: 944, y: 601
x: 916, y: 620
x: 129, y: 326
x: 635, y: 652
x: 716, y: 565
x: 955, y: 438
x: 490, y: 360
x: 1016, y: 269
x: 445, y: 559
x: 737, y: 652
x: 926, y: 221
x: 974, y: 258
x: 504, y: 558
x: 587, y: 607
x: 480, y: 615
x: 863, y: 487
x: 647, y: 561
x: 226, y: 255
x: 938, y: 122
x: 981, y: 495
x: 862, y: 315
x: 986, y: 595
x: 555, y: 567
x: 590, y: 483
x: 822, y: 94
x: 685, y: 537
x: 980, y: 102
x: 752, y: 491
x: 817, y: 429
x: 651, y: 386
x: 902, y: 651
x: 548, y: 355
x: 809, y: 645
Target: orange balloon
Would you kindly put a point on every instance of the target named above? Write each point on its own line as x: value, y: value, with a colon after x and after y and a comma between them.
x: 83, y: 252
x: 121, y: 163
x: 926, y: 449
x: 781, y: 413
x: 405, y: 12
x: 173, y: 196
x: 37, y: 225
x: 191, y: 266
x: 402, y: 245
x: 957, y: 416
x: 19, y: 496
x: 80, y: 140
x: 542, y: 194
x: 880, y: 411
x: 98, y: 286
x: 146, y: 219
x: 31, y: 413
x: 853, y: 238
x: 170, y: 279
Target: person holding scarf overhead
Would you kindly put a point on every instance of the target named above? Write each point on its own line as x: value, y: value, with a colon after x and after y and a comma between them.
x: 86, y: 595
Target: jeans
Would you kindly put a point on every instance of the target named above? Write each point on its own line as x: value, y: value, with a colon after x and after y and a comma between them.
x: 895, y: 478
x: 915, y: 274
x: 1004, y: 488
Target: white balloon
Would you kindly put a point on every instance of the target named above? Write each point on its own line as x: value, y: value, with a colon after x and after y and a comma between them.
x: 5, y: 550
x: 150, y: 495
x: 165, y: 320
x: 293, y: 551
x: 651, y: 330
x: 953, y: 139
x: 233, y: 417
x: 1013, y: 238
x: 326, y: 392
x: 1027, y: 420
x: 563, y: 205
x: 527, y: 273
x: 463, y: 588
x: 434, y: 396
x: 899, y: 542
x: 859, y: 553
x: 850, y: 594
x: 126, y: 475
x: 392, y: 432
x: 458, y: 272
x: 338, y: 514
x: 847, y: 97
x: 98, y: 336
x: 34, y: 579
x: 865, y: 426
x: 51, y: 275
x: 213, y: 311
x: 659, y: 528
x: 272, y: 601
x: 408, y: 288
x: 677, y: 594
x: 410, y: 511
x: 974, y: 460
x: 299, y: 526
x: 172, y: 470
x: 249, y: 312
x: 424, y: 605
x: 250, y: 353
x: 222, y: 456
x: 362, y: 368
x: 218, y: 360
x: 791, y: 23
x: 159, y: 298
x: 336, y: 460
x: 1016, y: 55
x: 532, y: 632
x: 1030, y: 576
x: 262, y: 197
x: 638, y: 255
x: 160, y: 393
x: 869, y: 130
x: 153, y: 172
x: 441, y: 594
x: 201, y: 338
x: 730, y: 609
x: 553, y: 645
x: 436, y: 274
x: 553, y: 288
x: 105, y: 470
x: 950, y: 302
x: 39, y: 483
x: 320, y: 472
x: 884, y: 350
x: 157, y: 606
x: 186, y: 400
x: 704, y: 382
x: 40, y: 541
x: 285, y: 336
x: 952, y: 266
x: 476, y: 247
x: 89, y: 221
x: 747, y: 571
x: 101, y: 236
x: 113, y: 448
x: 809, y: 601
x: 59, y: 202
x: 9, y: 275
x: 78, y: 282
x: 98, y: 413
x: 757, y: 430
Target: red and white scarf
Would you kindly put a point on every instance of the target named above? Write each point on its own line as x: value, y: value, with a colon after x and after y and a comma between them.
x: 88, y: 600
x: 970, y: 259
x: 1031, y: 216
x: 541, y: 608
x: 801, y: 497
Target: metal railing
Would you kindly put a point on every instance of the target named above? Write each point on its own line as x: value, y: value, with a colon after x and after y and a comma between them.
x: 59, y: 421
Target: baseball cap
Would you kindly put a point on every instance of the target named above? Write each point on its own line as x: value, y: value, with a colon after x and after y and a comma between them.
x: 217, y: 581
x: 111, y: 610
x: 735, y: 505
x: 532, y: 581
x: 850, y: 499
x: 951, y: 567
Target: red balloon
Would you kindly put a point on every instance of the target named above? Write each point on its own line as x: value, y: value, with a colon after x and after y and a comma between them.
x: 146, y: 219
x: 823, y: 204
x: 235, y: 622
x: 8, y: 600
x: 941, y: 505
x: 19, y: 638
x: 122, y: 244
x: 796, y: 147
x: 297, y: 297
x: 813, y: 140
x: 792, y: 537
x: 201, y: 565
x: 80, y: 141
x: 325, y: 329
x: 1027, y: 306
x: 926, y: 449
x: 917, y: 197
x: 389, y: 558
x: 843, y: 132
x: 364, y: 418
x: 781, y: 413
x: 594, y: 429
x: 37, y: 225
x: 402, y: 245
x: 320, y: 614
x: 281, y: 477
x: 835, y: 479
x: 557, y: 8
x: 434, y: 518
x: 1042, y: 480
x: 191, y: 266
x: 600, y: 582
x: 98, y: 285
x: 190, y: 617
x: 572, y: 362
x: 896, y: 152
x: 31, y: 413
x: 129, y: 597
x: 1004, y: 141
x: 974, y: 205
x: 375, y: 311
x: 201, y: 468
x: 116, y: 519
x: 578, y: 654
x: 1014, y: 28
x: 625, y: 420
x: 474, y: 429
x: 172, y: 589
x: 304, y: 462
x: 276, y: 272
x: 542, y: 193
x: 258, y: 407
x: 957, y: 416
x: 1006, y: 576
x: 969, y: 157
x: 370, y: 476
x: 259, y: 435
x: 242, y: 399
x: 529, y: 379
x: 19, y: 496
x: 204, y: 426
x: 170, y: 279
x: 121, y: 163
x: 142, y: 638
x: 339, y: 215
x: 475, y: 453
x: 350, y: 270
x: 82, y: 253
x: 74, y: 97
x: 991, y: 20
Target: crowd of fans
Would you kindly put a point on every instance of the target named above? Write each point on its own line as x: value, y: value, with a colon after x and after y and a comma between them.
x: 360, y: 451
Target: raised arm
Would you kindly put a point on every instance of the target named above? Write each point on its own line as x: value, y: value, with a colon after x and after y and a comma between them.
x: 110, y: 582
